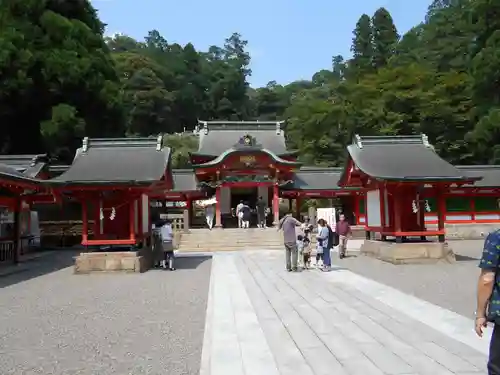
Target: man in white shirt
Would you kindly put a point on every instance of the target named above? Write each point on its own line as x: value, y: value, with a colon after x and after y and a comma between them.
x: 167, y: 237
x: 209, y: 215
x: 239, y: 214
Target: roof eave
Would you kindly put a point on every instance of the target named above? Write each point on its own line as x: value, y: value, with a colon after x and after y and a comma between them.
x: 21, y: 179
x: 98, y: 183
x: 228, y: 152
x: 460, y: 179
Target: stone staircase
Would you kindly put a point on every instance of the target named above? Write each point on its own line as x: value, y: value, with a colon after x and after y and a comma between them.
x: 230, y: 239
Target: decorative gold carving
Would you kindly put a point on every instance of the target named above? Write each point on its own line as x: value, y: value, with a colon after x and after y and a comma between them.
x: 248, y: 159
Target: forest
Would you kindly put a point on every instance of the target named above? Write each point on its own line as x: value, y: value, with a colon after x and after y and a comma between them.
x: 62, y: 79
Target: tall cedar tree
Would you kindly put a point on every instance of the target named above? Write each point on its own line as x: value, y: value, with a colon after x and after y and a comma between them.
x: 385, y: 37
x: 362, y: 48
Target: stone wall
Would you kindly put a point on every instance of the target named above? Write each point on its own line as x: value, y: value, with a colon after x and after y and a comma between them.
x: 467, y: 231
x: 470, y: 231
x: 119, y: 261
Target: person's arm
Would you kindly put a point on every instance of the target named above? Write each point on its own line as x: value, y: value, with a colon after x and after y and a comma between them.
x: 349, y: 230
x: 280, y: 225
x: 488, y: 265
x: 297, y: 223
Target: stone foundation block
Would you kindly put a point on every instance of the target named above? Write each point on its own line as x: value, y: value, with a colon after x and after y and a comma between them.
x: 408, y: 253
x: 126, y: 261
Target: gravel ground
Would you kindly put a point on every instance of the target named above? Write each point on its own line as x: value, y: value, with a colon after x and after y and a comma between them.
x: 59, y: 323
x: 452, y: 286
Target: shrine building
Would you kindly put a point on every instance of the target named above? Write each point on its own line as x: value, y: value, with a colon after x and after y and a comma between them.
x: 119, y: 183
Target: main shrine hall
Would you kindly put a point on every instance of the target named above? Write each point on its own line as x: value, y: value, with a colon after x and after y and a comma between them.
x: 119, y: 183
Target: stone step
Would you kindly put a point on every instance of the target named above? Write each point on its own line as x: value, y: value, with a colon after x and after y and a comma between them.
x: 234, y: 237
x: 227, y: 248
x: 232, y: 241
x: 249, y: 244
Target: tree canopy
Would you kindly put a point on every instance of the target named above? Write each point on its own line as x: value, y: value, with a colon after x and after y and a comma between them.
x: 63, y: 79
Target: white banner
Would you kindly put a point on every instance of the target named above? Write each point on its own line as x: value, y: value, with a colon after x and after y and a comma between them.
x: 206, y: 202
x: 328, y: 214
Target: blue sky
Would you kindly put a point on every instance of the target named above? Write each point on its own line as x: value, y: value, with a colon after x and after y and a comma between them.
x: 288, y: 39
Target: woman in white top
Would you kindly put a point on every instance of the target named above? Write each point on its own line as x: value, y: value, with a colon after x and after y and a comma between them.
x: 209, y: 215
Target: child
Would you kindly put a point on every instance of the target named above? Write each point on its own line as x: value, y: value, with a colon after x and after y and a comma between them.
x: 300, y: 252
x: 319, y: 256
x: 306, y: 253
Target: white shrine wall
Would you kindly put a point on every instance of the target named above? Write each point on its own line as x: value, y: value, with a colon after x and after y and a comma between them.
x: 373, y: 208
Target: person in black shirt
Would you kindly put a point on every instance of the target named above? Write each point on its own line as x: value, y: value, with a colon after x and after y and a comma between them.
x: 261, y: 213
x: 246, y: 213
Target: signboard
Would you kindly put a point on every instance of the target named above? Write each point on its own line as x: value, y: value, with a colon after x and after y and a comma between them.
x: 328, y: 214
x: 248, y: 159
x: 161, y: 204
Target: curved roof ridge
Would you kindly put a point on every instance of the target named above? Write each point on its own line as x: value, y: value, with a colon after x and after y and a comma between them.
x: 246, y: 149
x: 480, y: 166
x: 420, y: 139
x: 122, y: 142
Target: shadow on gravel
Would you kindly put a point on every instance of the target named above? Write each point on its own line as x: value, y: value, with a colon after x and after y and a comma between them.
x: 350, y: 256
x: 191, y: 262
x: 464, y: 258
x: 38, y: 267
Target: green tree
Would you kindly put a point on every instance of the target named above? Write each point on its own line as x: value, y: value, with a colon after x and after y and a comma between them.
x: 362, y: 48
x: 385, y: 37
x: 53, y: 53
x: 182, y: 146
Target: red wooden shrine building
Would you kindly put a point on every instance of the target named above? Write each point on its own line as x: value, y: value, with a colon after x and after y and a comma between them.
x: 397, y: 174
x: 112, y: 179
x: 115, y: 181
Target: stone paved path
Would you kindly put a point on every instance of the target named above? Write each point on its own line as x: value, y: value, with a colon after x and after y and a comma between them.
x: 263, y: 320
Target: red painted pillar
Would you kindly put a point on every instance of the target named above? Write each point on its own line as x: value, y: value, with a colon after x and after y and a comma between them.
x: 441, y: 203
x: 140, y: 218
x: 276, y: 205
x: 398, y: 210
x: 131, y: 220
x: 218, y: 217
x: 85, y: 224
x: 17, y: 231
x: 97, y: 218
x: 357, y: 213
x: 382, y: 207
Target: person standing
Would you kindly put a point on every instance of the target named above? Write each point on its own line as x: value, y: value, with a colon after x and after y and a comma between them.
x: 488, y: 298
x: 239, y: 214
x: 323, y: 239
x: 167, y: 238
x: 209, y: 215
x: 261, y: 213
x: 307, y: 228
x: 343, y: 230
x: 288, y: 224
x: 157, y: 244
x: 246, y: 213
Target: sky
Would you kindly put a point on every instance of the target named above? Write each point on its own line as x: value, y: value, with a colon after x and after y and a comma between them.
x: 288, y: 40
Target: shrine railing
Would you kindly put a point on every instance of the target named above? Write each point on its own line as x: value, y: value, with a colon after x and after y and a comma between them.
x: 177, y: 221
x: 6, y: 251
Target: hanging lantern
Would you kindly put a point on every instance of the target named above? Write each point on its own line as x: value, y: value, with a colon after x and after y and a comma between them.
x: 113, y: 214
